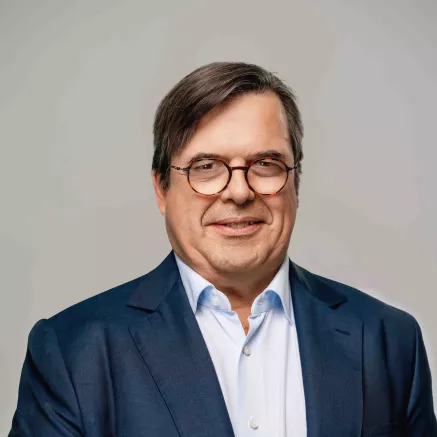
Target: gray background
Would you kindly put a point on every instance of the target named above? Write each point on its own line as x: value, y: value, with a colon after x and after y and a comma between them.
x: 79, y: 84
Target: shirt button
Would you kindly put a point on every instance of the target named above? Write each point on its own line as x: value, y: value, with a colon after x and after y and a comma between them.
x: 216, y: 301
x: 246, y: 351
x: 253, y: 423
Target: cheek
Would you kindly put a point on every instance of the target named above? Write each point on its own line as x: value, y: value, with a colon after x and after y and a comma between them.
x: 184, y: 215
x: 283, y: 209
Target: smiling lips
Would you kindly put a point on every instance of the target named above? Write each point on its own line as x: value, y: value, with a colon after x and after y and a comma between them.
x: 238, y: 226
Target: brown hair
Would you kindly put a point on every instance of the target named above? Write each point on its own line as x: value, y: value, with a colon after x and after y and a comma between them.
x: 205, y: 88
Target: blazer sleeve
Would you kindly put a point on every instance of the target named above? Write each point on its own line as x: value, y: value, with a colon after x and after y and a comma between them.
x: 421, y: 416
x: 47, y: 404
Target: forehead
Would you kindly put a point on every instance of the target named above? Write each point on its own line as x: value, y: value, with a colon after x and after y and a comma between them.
x: 248, y: 124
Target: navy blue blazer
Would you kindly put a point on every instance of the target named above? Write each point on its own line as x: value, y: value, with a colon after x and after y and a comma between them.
x: 133, y: 362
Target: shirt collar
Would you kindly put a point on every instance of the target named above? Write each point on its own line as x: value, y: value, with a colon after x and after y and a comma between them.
x: 193, y: 283
x: 198, y: 289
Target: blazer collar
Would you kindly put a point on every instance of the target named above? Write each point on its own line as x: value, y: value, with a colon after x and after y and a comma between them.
x: 330, y: 339
x: 155, y: 286
x: 316, y: 286
x: 176, y: 355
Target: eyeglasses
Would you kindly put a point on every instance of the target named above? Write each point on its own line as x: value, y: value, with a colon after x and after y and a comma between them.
x: 211, y: 176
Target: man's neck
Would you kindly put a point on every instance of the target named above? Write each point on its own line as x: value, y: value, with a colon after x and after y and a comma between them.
x: 241, y: 288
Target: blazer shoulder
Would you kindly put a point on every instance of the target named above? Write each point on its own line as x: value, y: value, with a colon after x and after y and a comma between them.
x: 368, y: 308
x: 104, y: 308
x: 107, y: 314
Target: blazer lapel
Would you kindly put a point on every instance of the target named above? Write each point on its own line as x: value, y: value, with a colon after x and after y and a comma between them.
x: 172, y: 346
x: 330, y: 345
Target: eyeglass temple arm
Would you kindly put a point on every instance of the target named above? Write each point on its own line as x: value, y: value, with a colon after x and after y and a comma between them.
x: 180, y: 168
x: 291, y: 168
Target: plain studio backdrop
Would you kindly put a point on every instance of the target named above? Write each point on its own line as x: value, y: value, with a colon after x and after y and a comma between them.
x: 79, y: 85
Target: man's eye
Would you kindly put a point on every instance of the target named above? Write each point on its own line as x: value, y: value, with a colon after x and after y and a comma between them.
x: 266, y: 164
x: 204, y: 166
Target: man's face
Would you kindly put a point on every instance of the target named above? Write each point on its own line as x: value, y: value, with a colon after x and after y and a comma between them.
x: 236, y: 131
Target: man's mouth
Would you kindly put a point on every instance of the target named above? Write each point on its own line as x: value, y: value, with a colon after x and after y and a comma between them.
x: 239, y: 224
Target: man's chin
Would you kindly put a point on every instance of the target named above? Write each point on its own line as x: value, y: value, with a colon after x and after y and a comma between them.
x: 234, y: 262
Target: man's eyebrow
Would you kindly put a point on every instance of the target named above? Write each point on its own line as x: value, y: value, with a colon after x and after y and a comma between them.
x: 252, y: 157
x: 268, y: 154
x: 201, y: 155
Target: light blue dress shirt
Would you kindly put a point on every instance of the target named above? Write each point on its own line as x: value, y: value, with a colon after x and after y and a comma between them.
x: 260, y: 374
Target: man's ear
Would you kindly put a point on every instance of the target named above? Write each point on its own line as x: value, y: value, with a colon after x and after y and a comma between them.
x: 159, y: 192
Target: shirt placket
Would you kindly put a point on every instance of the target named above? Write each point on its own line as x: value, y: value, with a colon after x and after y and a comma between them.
x: 252, y: 423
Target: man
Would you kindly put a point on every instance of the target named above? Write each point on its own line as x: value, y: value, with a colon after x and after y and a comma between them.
x: 227, y: 336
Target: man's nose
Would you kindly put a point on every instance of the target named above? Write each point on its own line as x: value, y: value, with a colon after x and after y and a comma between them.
x: 238, y: 190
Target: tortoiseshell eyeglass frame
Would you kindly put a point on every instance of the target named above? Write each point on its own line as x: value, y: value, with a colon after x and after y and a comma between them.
x: 231, y: 169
